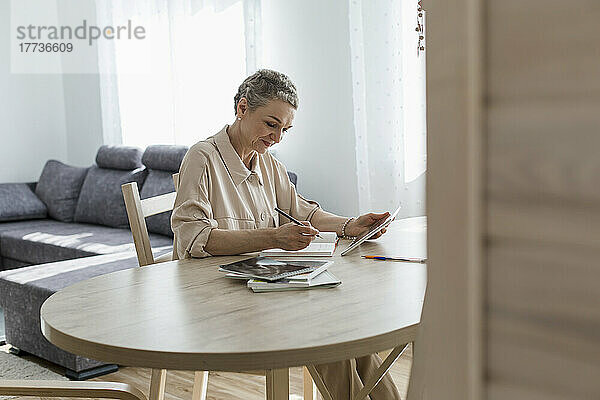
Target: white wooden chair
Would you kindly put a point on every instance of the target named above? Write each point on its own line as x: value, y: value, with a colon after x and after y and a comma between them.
x: 95, y: 390
x: 137, y: 211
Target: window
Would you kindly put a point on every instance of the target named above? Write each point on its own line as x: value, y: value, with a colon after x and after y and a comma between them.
x: 195, y: 61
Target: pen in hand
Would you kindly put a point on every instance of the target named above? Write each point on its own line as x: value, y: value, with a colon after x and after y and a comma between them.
x: 294, y: 220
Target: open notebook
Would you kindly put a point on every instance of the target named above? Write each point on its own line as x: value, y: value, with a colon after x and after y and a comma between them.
x: 320, y: 247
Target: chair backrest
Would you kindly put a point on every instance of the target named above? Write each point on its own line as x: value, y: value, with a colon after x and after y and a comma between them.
x: 138, y: 210
x: 176, y: 181
x: 175, y: 256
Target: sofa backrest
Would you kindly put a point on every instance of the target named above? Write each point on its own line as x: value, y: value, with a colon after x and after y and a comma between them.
x: 100, y: 200
x: 59, y: 188
x: 161, y: 161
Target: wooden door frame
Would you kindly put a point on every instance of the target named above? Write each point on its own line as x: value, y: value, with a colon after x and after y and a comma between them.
x: 449, y: 351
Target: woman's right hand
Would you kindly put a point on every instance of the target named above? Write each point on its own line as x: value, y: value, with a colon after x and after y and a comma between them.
x: 294, y: 237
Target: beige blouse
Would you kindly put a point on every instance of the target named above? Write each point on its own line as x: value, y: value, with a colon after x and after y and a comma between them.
x: 216, y: 190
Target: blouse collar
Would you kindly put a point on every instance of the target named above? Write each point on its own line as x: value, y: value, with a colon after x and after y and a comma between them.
x: 236, y: 168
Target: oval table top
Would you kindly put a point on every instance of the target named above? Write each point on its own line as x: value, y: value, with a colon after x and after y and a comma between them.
x: 186, y: 315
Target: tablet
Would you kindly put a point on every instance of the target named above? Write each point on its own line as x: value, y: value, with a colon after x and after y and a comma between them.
x: 374, y: 229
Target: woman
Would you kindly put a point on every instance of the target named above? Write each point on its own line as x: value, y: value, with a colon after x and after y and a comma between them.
x: 229, y: 186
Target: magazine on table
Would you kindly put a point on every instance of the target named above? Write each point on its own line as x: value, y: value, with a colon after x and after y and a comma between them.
x: 270, y: 269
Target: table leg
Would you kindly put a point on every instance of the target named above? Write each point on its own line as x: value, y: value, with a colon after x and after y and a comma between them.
x: 200, y: 385
x: 158, y: 382
x: 278, y: 384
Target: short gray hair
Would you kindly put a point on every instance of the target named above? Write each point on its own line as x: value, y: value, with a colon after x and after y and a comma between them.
x: 265, y: 85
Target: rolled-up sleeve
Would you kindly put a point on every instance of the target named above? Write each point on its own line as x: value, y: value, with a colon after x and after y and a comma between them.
x: 192, y: 219
x: 289, y: 200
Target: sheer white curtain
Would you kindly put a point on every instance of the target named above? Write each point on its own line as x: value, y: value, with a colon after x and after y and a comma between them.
x: 389, y: 105
x: 177, y: 85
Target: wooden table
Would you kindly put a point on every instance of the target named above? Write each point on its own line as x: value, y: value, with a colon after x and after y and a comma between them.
x: 186, y: 315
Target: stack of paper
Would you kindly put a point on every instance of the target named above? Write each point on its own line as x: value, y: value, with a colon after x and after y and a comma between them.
x: 324, y: 280
x: 267, y: 274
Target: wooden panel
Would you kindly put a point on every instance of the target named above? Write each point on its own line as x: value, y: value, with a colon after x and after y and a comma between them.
x: 531, y: 356
x: 575, y: 342
x: 547, y: 283
x: 504, y: 390
x: 559, y: 224
x: 545, y: 151
x: 543, y: 320
x: 543, y: 199
x: 452, y: 312
x: 543, y: 49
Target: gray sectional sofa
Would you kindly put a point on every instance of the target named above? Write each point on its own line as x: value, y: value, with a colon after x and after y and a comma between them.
x: 70, y: 226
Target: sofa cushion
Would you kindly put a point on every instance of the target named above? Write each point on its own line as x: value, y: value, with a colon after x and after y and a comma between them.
x: 18, y: 202
x: 58, y: 241
x: 8, y: 263
x: 52, y: 277
x: 59, y: 188
x: 101, y: 200
x: 164, y: 157
x: 162, y: 162
x: 30, y: 224
x: 157, y: 183
x: 119, y: 157
x: 293, y: 178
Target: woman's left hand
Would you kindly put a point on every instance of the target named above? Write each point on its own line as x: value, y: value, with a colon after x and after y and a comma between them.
x: 363, y: 223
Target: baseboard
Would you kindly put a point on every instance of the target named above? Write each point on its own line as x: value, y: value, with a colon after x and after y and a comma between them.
x: 91, y: 373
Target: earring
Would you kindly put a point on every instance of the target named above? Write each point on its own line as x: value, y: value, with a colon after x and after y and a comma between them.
x: 239, y: 118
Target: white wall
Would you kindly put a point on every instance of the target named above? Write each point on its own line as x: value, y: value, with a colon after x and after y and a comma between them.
x: 60, y: 116
x: 44, y: 116
x: 32, y: 115
x: 83, y: 118
x: 309, y: 41
x: 81, y: 92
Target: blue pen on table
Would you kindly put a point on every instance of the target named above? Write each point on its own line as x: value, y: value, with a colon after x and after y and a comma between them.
x: 404, y: 259
x: 294, y: 220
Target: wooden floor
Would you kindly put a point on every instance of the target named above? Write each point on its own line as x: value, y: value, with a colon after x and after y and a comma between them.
x: 232, y: 386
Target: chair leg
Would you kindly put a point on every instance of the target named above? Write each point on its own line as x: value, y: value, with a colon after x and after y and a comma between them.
x: 200, y: 385
x: 310, y: 389
x: 158, y: 382
x: 278, y: 384
x: 96, y: 390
